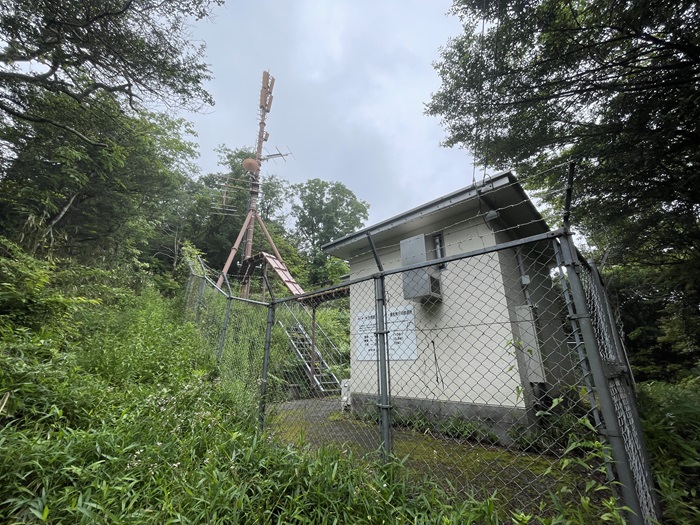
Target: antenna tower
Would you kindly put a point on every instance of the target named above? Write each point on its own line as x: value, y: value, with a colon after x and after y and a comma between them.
x: 252, y: 166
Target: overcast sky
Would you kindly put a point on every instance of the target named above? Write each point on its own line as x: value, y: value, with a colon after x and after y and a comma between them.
x: 352, y: 78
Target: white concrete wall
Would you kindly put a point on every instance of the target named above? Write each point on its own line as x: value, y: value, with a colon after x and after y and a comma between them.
x: 464, y: 350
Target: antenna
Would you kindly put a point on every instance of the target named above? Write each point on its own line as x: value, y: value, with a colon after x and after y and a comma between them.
x: 252, y: 166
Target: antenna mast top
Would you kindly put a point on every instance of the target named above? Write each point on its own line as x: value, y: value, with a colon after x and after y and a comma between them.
x: 252, y: 165
x: 268, y: 84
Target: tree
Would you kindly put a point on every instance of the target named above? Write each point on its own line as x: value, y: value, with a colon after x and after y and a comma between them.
x: 614, y: 85
x: 274, y: 197
x: 135, y: 50
x: 59, y: 193
x: 325, y: 211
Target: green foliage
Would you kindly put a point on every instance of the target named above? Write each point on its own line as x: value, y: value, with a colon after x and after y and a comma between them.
x: 596, y: 502
x: 325, y: 211
x: 671, y: 421
x: 564, y: 422
x: 454, y: 426
x: 112, y: 352
x: 611, y: 85
x: 135, y: 52
x: 31, y: 308
x: 660, y: 329
x: 62, y: 196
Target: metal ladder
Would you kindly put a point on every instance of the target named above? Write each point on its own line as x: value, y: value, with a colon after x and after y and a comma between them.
x: 316, y: 367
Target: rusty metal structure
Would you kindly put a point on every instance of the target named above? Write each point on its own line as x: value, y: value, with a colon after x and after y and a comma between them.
x: 252, y: 166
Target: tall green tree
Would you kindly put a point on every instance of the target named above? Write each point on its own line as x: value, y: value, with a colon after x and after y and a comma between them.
x: 325, y: 211
x: 322, y: 212
x: 59, y: 193
x: 135, y: 50
x: 613, y: 85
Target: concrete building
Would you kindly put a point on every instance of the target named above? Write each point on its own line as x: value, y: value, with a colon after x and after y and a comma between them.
x: 481, y: 337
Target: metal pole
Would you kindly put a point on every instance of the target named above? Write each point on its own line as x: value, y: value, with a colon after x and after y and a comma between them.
x: 199, y: 300
x: 223, y: 330
x: 577, y: 341
x: 612, y: 426
x: 569, y: 193
x: 313, y: 349
x: 188, y: 292
x: 236, y: 244
x: 383, y: 404
x: 628, y: 384
x: 374, y: 252
x: 266, y: 363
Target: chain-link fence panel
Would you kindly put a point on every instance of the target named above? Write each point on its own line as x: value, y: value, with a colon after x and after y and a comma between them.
x: 621, y: 388
x: 482, y: 371
x: 233, y: 330
x: 489, y: 390
x: 308, y: 382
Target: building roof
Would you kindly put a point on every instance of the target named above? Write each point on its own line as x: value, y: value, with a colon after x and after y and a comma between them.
x: 500, y: 192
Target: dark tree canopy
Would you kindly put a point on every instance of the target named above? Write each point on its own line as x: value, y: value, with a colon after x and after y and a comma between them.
x: 136, y: 50
x: 613, y: 85
x: 59, y: 193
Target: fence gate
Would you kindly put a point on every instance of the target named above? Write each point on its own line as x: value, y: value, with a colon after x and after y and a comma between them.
x: 614, y: 383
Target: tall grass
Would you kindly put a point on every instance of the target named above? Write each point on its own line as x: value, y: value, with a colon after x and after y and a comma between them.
x: 671, y: 420
x: 127, y: 426
x: 113, y: 412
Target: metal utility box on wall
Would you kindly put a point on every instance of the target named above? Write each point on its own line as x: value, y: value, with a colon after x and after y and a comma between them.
x: 422, y: 284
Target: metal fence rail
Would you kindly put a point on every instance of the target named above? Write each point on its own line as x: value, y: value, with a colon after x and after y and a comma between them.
x: 505, y: 375
x: 621, y: 386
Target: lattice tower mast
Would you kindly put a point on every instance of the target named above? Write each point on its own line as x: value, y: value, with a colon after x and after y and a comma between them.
x: 252, y: 166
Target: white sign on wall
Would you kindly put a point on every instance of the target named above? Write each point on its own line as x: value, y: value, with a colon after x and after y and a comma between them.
x: 401, y: 325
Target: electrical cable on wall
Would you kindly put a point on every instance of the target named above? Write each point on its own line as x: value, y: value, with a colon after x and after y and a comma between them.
x: 438, y: 374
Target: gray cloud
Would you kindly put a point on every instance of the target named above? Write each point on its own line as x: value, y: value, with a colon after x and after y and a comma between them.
x: 352, y: 78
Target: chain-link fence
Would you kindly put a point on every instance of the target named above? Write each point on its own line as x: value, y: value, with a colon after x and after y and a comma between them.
x: 234, y: 330
x: 504, y: 376
x: 621, y: 404
x: 469, y: 341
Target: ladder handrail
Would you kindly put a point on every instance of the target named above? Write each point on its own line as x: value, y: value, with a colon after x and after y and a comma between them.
x: 327, y: 340
x: 323, y: 368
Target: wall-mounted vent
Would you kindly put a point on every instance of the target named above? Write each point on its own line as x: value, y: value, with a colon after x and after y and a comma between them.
x: 422, y: 284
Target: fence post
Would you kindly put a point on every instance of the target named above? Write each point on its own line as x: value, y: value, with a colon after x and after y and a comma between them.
x: 383, y: 404
x: 620, y: 361
x: 579, y: 345
x: 266, y: 362
x: 199, y: 300
x: 612, y: 425
x: 188, y: 290
x: 223, y: 329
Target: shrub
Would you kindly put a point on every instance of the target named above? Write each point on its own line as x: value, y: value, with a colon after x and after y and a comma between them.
x: 671, y: 420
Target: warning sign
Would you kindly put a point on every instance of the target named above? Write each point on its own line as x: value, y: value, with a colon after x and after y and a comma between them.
x: 401, y: 340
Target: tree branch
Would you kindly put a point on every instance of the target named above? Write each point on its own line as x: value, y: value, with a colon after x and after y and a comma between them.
x: 46, y: 120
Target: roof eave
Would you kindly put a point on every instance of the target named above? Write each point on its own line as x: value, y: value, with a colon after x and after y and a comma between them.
x: 461, y: 195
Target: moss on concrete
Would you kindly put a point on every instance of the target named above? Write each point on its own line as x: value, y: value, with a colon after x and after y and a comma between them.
x: 519, y: 480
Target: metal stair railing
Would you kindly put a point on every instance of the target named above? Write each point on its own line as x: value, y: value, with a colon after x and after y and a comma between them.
x: 327, y: 345
x: 316, y: 366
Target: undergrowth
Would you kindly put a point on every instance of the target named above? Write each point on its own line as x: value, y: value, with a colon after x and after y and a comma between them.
x: 111, y: 411
x: 671, y: 421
